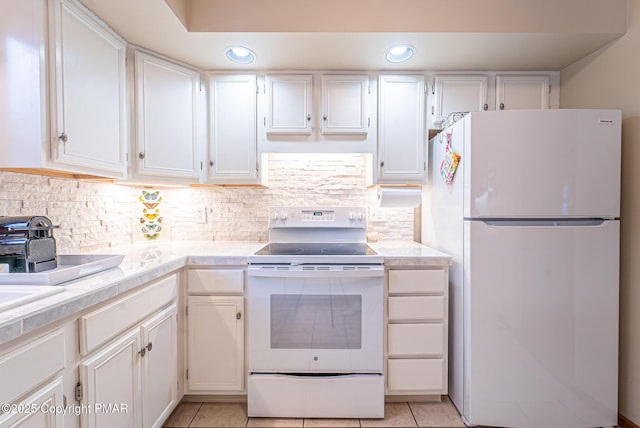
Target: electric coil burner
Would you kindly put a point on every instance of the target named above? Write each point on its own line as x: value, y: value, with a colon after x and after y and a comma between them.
x: 315, y: 297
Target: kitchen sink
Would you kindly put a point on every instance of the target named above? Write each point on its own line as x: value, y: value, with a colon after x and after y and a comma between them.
x: 16, y: 295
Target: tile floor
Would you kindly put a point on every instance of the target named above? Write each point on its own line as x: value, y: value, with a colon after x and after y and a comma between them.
x: 212, y: 415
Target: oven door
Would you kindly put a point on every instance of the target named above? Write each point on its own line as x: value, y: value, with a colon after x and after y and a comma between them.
x: 315, y: 319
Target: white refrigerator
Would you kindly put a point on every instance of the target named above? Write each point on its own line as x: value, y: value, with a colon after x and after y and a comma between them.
x: 531, y: 218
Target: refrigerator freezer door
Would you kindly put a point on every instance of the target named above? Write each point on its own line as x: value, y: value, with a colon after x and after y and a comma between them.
x: 541, y: 332
x: 542, y: 164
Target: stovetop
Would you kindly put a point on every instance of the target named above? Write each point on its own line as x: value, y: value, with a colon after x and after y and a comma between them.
x: 316, y: 253
x: 315, y: 249
x: 301, y: 235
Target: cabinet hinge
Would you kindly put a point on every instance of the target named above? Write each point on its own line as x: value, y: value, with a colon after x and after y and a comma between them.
x: 201, y: 166
x: 257, y: 167
x: 257, y: 89
x: 433, y: 87
x: 64, y: 401
x: 549, y: 89
x: 264, y: 121
x: 368, y: 122
x: 187, y: 374
x: 186, y: 311
x: 201, y: 86
x: 433, y: 110
x: 78, y: 391
x: 425, y: 166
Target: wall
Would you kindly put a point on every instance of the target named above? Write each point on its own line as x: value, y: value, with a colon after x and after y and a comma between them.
x: 94, y: 215
x: 609, y: 79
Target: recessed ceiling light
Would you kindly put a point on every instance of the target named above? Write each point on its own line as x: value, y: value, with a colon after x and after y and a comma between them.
x: 240, y: 54
x: 399, y: 53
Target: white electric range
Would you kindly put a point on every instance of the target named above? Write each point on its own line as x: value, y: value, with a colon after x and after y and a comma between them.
x: 315, y: 318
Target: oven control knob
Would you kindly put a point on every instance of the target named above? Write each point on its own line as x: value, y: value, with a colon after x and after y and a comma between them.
x: 283, y: 215
x: 352, y: 216
x: 360, y: 216
x: 275, y: 216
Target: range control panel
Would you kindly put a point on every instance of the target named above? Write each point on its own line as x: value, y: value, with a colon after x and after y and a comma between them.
x: 341, y: 217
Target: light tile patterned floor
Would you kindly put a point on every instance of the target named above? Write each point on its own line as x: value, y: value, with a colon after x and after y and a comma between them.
x: 215, y: 415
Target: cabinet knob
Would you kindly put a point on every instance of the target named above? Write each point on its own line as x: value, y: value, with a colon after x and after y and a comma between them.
x: 210, y: 163
x: 381, y: 164
x: 150, y: 346
x: 501, y: 106
x: 143, y: 351
x: 141, y: 155
x: 63, y: 137
x: 324, y: 117
x: 485, y: 107
x: 309, y: 118
x: 238, y: 315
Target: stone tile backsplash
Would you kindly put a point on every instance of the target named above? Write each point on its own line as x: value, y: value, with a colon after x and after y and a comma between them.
x: 95, y: 215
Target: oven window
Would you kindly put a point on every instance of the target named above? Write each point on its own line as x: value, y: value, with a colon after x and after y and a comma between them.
x: 316, y: 321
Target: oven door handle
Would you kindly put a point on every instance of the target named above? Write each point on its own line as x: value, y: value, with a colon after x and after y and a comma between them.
x: 308, y: 272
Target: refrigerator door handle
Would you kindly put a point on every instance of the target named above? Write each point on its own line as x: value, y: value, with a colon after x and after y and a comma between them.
x: 543, y: 222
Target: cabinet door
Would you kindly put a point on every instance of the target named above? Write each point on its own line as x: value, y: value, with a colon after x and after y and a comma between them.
x: 458, y: 93
x: 344, y: 104
x: 159, y: 367
x: 23, y: 85
x: 522, y: 92
x: 111, y: 377
x: 233, y: 150
x: 88, y: 92
x: 41, y: 404
x: 290, y: 104
x: 166, y: 119
x: 215, y: 344
x: 402, y: 135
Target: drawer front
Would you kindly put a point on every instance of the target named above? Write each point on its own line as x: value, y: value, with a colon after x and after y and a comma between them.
x: 98, y: 327
x: 417, y: 281
x: 215, y: 281
x: 416, y: 375
x: 31, y: 364
x: 416, y: 340
x: 417, y: 308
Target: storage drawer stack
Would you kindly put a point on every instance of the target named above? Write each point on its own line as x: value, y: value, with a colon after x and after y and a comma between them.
x: 417, y: 332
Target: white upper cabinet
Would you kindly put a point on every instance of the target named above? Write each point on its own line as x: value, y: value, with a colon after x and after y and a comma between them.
x: 63, y: 90
x: 344, y: 104
x: 517, y: 92
x: 88, y: 89
x: 232, y: 129
x: 458, y: 93
x: 168, y: 134
x: 402, y: 130
x: 290, y: 104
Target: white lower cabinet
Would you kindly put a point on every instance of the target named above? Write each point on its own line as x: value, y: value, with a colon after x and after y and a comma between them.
x: 35, y: 373
x: 215, y: 331
x: 38, y: 410
x: 129, y: 376
x: 417, y: 331
x: 133, y: 381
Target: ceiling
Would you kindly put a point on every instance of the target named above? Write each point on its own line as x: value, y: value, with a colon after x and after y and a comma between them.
x: 299, y: 34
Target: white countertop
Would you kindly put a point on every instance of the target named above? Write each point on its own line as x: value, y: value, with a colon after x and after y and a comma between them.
x: 145, y: 262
